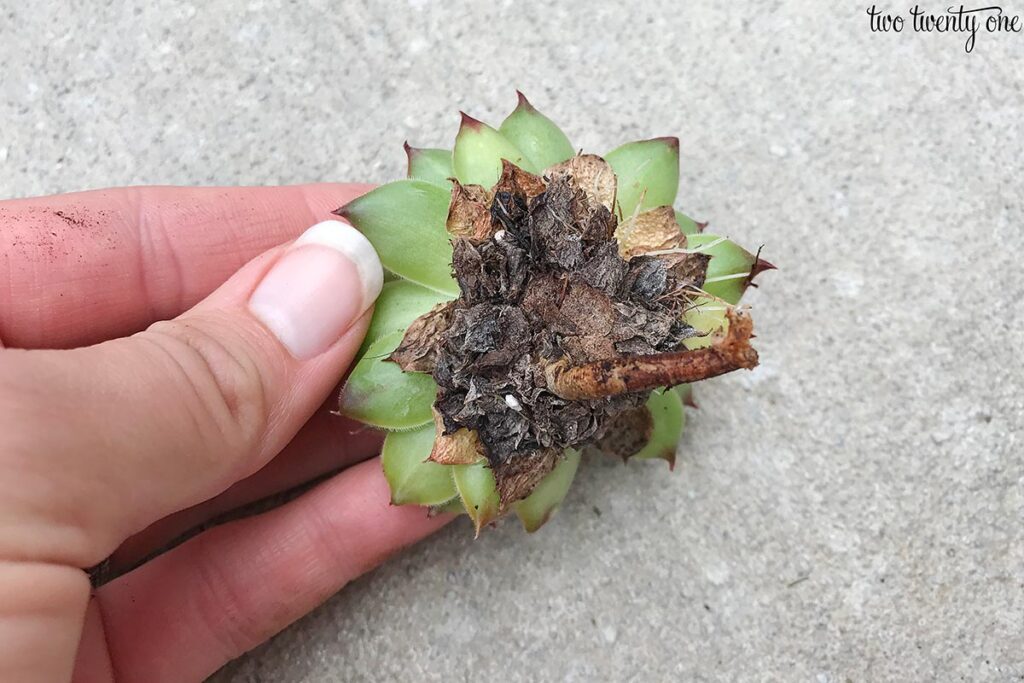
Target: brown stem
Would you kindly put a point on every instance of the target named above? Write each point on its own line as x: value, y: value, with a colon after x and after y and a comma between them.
x: 625, y: 375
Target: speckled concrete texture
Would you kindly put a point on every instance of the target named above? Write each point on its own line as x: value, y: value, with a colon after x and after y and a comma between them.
x: 853, y: 510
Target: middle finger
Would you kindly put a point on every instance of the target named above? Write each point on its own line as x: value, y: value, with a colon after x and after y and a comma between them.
x: 325, y: 444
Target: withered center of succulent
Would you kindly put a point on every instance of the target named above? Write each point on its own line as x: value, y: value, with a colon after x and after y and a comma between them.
x: 558, y: 330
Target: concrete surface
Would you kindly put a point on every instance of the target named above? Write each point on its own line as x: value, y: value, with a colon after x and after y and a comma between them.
x: 853, y: 510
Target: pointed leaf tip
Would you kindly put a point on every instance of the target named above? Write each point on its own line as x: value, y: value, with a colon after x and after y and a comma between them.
x: 523, y: 102
x: 478, y: 492
x: 410, y: 154
x: 469, y: 122
x: 479, y: 149
x: 543, y: 142
x: 731, y: 267
x: 760, y: 265
x: 669, y: 140
x: 430, y: 165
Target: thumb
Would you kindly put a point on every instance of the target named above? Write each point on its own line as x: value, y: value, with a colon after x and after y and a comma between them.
x: 106, y: 439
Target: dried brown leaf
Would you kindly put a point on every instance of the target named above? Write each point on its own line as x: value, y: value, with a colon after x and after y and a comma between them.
x: 689, y: 270
x: 517, y: 181
x: 555, y: 333
x: 468, y: 212
x: 590, y: 173
x: 628, y: 433
x: 459, y: 448
x: 585, y: 317
x: 654, y: 230
x: 418, y: 350
x: 516, y: 477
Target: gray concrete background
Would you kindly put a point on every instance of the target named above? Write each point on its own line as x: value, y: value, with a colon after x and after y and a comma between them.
x: 852, y: 510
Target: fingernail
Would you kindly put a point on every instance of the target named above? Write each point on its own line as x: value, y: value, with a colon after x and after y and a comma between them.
x: 325, y: 281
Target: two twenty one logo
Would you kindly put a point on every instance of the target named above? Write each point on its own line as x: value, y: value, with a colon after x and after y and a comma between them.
x: 954, y: 20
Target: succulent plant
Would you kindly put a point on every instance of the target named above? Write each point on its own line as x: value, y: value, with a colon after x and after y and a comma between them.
x: 541, y: 301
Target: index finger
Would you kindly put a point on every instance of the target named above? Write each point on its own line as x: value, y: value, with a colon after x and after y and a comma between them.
x: 80, y: 268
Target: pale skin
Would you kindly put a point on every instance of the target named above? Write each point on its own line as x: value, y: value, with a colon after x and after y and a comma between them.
x: 139, y: 398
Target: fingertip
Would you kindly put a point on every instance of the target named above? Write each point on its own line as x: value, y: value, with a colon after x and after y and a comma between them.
x: 318, y: 289
x: 346, y: 240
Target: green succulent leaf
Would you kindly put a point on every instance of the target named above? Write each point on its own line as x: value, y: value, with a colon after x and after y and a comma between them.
x: 413, y: 479
x: 543, y: 143
x: 708, y: 316
x: 536, y: 509
x: 478, y: 152
x: 452, y: 507
x: 378, y: 393
x: 478, y: 492
x: 687, y: 225
x: 400, y: 302
x: 730, y: 268
x: 648, y: 173
x: 666, y: 410
x: 405, y: 222
x: 430, y: 165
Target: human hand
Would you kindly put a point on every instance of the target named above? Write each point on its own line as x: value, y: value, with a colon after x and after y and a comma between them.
x: 114, y: 445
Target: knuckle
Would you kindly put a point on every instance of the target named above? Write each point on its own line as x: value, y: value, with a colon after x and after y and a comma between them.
x: 221, y: 374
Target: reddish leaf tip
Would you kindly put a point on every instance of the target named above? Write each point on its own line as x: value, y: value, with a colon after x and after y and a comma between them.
x: 523, y: 102
x: 669, y: 456
x: 469, y: 122
x: 761, y: 265
x: 410, y: 152
x: 670, y: 141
